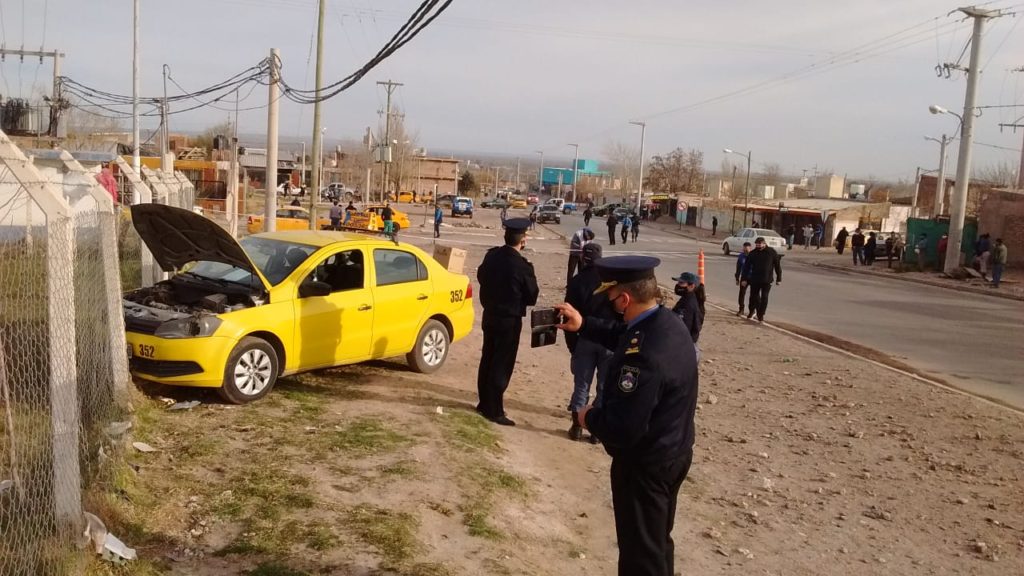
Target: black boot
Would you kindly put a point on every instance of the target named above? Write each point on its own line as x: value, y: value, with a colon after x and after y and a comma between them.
x: 575, y: 431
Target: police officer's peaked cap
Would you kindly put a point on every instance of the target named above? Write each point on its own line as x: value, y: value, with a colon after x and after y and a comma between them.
x: 517, y: 224
x: 615, y: 270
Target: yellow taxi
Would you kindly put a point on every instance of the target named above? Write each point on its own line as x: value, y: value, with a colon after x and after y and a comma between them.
x: 288, y: 218
x: 238, y: 315
x: 518, y: 202
x: 369, y: 218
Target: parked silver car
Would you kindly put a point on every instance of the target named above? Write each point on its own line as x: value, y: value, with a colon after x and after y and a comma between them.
x: 771, y: 238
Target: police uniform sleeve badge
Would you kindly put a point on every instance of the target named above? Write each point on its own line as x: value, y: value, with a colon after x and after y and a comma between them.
x: 629, y: 377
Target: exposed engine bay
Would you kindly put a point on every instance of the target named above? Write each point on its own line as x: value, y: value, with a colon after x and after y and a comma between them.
x: 186, y: 297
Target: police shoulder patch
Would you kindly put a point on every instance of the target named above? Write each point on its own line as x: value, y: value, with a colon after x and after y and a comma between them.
x: 633, y: 342
x: 629, y: 377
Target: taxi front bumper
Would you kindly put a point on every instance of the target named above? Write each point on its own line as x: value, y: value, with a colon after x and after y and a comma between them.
x: 179, y: 361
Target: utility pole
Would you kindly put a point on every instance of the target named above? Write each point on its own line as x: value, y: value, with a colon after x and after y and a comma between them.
x: 917, y: 189
x: 303, y: 182
x: 575, y: 171
x: 389, y: 86
x: 940, y: 186
x: 517, y: 174
x: 164, y: 132
x: 958, y: 205
x: 540, y: 175
x: 270, y: 183
x: 1020, y: 169
x: 231, y: 206
x: 640, y: 187
x: 318, y: 145
x: 136, y: 159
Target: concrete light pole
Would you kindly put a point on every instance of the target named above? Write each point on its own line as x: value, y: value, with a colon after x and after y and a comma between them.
x: 940, y: 187
x: 575, y: 171
x: 136, y: 158
x: 640, y: 188
x: 540, y: 175
x: 746, y: 187
x: 958, y: 204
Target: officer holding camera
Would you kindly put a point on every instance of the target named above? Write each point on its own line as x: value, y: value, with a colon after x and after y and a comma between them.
x: 645, y: 420
x: 508, y: 285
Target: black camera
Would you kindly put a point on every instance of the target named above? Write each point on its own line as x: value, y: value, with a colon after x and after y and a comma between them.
x: 542, y: 325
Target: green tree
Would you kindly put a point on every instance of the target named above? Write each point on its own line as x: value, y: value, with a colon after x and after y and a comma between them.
x: 467, y: 183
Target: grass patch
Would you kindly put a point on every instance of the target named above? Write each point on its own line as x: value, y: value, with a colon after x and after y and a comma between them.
x: 393, y: 534
x: 403, y: 469
x: 483, y: 484
x: 470, y: 431
x: 307, y: 404
x: 275, y: 569
x: 364, y: 436
x: 264, y: 492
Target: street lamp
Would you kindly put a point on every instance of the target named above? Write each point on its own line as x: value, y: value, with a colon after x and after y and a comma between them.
x: 940, y: 188
x: 640, y: 188
x: 958, y: 203
x: 575, y: 171
x: 746, y: 187
x: 540, y: 177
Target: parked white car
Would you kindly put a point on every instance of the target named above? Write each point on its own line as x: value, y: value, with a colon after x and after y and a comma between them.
x: 771, y: 238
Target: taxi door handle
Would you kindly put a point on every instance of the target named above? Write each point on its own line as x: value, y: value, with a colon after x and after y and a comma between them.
x: 422, y: 297
x: 364, y: 307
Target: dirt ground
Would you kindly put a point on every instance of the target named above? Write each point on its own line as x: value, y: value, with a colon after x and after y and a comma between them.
x: 806, y: 462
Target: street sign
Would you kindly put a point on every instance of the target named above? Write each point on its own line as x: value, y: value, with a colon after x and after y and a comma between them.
x: 681, y: 206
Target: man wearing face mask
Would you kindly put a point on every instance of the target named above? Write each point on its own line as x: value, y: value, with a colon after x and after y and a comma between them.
x: 645, y: 420
x: 508, y: 285
x: 688, y: 307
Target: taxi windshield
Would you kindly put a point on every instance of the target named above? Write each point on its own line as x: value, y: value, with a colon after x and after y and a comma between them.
x: 275, y: 259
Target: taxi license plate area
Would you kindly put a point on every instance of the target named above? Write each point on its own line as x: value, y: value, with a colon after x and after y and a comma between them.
x: 141, y: 351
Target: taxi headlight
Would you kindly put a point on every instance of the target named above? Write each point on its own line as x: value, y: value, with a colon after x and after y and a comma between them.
x: 189, y: 327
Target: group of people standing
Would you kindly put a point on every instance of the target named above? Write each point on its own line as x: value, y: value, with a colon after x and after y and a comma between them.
x: 645, y: 359
x: 630, y: 225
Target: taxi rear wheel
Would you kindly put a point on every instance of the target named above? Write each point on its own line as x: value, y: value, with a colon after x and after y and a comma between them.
x: 431, y: 349
x: 251, y: 371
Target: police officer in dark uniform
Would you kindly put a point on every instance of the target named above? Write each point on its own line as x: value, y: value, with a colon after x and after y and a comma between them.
x: 645, y: 420
x: 507, y: 286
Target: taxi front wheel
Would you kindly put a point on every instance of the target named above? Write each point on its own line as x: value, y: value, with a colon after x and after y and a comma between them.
x: 431, y: 348
x: 250, y: 372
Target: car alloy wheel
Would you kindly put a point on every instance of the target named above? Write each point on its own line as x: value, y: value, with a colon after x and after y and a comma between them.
x: 431, y: 348
x: 435, y: 346
x: 253, y: 372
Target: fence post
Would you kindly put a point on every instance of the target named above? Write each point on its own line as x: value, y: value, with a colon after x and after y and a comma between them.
x: 111, y: 274
x: 145, y: 197
x: 60, y: 250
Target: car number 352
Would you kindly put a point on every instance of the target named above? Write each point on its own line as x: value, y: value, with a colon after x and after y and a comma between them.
x: 146, y: 351
x: 456, y: 295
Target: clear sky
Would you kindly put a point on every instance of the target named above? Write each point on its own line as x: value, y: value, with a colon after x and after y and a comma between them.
x: 841, y: 85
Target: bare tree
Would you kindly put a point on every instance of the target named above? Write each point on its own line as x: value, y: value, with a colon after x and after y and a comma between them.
x: 677, y: 172
x: 771, y: 173
x: 1000, y: 174
x: 625, y: 162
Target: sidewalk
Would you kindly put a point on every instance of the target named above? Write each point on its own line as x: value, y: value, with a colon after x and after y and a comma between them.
x: 1011, y: 288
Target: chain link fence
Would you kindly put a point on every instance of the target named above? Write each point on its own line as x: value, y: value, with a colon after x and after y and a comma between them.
x: 63, y: 368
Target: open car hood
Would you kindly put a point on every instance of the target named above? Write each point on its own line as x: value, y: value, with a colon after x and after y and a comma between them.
x: 176, y: 237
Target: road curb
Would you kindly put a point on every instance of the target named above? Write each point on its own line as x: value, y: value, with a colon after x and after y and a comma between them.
x: 972, y: 289
x: 901, y: 367
x: 561, y: 236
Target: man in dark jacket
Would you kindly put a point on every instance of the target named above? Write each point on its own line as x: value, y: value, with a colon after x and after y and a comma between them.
x: 857, y: 244
x: 688, y: 307
x: 741, y: 280
x: 612, y: 223
x: 761, y: 262
x: 645, y: 421
x: 841, y: 240
x: 870, y: 248
x: 587, y: 357
x: 508, y: 285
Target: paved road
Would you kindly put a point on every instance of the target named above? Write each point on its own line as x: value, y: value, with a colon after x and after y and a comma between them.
x: 975, y: 342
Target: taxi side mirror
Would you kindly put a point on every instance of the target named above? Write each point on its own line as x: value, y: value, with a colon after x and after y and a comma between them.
x: 314, y: 288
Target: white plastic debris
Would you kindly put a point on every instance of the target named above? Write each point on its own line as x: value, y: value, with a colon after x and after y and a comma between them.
x: 108, y: 546
x: 439, y: 410
x: 188, y: 405
x: 115, y: 429
x: 143, y: 447
x: 6, y: 485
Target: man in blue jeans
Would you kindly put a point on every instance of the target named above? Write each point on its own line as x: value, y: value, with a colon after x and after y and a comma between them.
x: 588, y: 357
